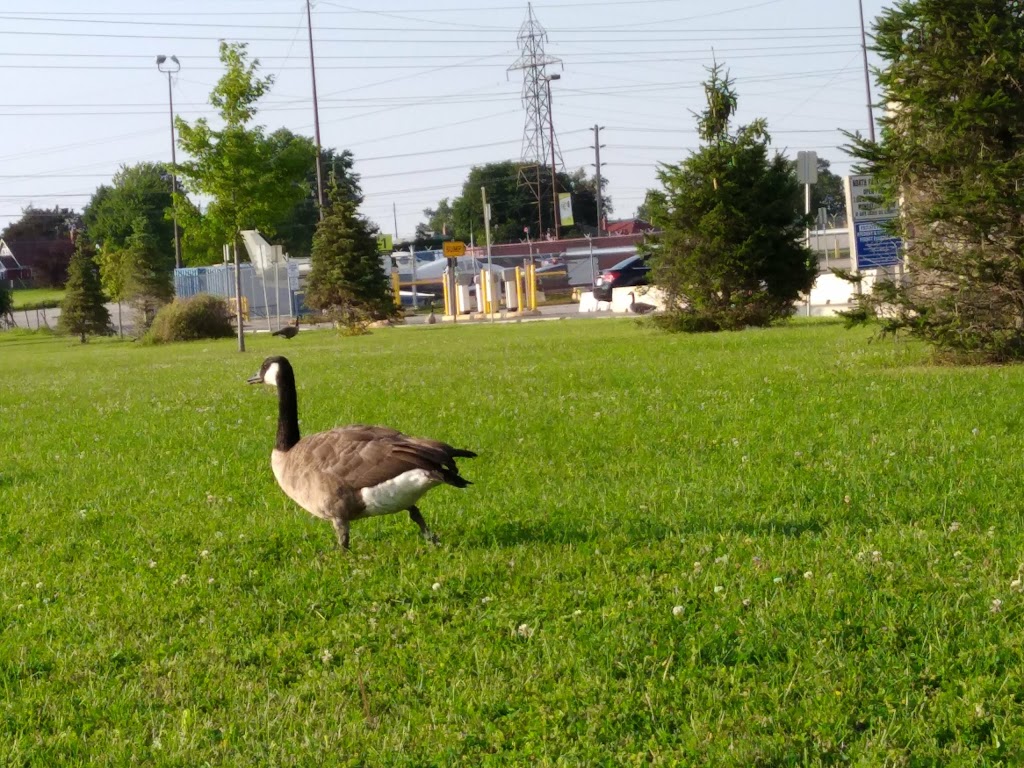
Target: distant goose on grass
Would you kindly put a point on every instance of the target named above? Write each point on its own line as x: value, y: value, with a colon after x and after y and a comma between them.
x: 431, y: 318
x: 639, y: 307
x: 289, y: 331
x: 349, y: 473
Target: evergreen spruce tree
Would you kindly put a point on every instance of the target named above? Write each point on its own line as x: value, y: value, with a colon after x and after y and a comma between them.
x: 82, y: 312
x: 731, y: 253
x: 6, y: 307
x: 147, y: 277
x: 346, y: 279
x: 951, y: 154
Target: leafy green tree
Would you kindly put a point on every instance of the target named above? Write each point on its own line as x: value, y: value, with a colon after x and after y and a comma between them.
x: 731, y: 253
x: 440, y: 221
x: 253, y: 181
x: 82, y: 310
x: 42, y: 238
x: 141, y: 190
x: 828, y: 193
x: 951, y: 153
x: 295, y: 230
x: 346, y: 279
x: 513, y: 204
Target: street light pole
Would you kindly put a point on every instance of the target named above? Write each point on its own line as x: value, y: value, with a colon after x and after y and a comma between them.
x: 554, y: 170
x: 316, y: 118
x: 172, y: 68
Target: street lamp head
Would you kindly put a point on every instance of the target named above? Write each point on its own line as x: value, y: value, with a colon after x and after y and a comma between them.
x: 163, y: 66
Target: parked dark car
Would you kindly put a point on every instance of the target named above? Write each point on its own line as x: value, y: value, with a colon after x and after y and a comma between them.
x: 627, y: 273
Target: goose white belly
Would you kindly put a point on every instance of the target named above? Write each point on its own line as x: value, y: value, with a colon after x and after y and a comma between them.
x: 394, y: 495
x: 399, y: 492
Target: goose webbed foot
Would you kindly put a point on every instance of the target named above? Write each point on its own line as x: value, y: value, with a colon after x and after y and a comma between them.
x: 341, y: 528
x: 416, y: 517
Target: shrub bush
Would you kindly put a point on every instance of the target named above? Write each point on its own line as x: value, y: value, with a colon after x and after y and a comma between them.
x: 201, y: 317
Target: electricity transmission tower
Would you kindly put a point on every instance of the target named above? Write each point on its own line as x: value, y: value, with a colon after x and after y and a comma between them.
x: 539, y: 141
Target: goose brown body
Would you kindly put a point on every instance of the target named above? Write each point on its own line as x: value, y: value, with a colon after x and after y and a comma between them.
x: 357, y: 471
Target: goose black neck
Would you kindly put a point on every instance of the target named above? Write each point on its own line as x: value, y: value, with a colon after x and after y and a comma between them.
x: 287, y: 409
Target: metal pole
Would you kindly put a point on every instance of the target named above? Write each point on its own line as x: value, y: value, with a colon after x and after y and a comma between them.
x: 807, y: 211
x: 867, y: 72
x: 238, y: 295
x: 597, y: 165
x: 593, y: 266
x: 415, y: 293
x: 554, y: 170
x: 174, y: 177
x: 489, y: 293
x: 277, y: 291
x: 316, y: 116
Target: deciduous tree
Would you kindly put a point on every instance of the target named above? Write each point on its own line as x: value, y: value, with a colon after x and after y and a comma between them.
x: 253, y: 181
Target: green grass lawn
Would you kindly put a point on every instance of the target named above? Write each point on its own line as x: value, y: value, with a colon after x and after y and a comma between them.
x: 37, y: 298
x: 769, y: 548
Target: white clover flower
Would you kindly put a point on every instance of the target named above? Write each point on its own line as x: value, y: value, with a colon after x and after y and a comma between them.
x: 719, y: 588
x: 577, y: 612
x: 205, y: 553
x: 722, y: 560
x: 997, y: 605
x: 436, y: 586
x: 747, y: 602
x: 1017, y: 585
x: 678, y: 611
x: 847, y: 499
x: 954, y: 527
x: 210, y: 580
x: 524, y: 630
x: 326, y: 656
x: 808, y: 574
x: 486, y: 600
x: 777, y: 580
x: 697, y: 567
x: 152, y: 563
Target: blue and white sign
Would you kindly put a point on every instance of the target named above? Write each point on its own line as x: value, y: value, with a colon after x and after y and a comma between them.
x: 871, y: 244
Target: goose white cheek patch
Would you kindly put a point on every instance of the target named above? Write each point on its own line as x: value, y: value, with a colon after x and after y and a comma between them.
x: 270, y: 377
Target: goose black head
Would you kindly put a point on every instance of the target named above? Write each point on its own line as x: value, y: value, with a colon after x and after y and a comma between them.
x: 270, y: 371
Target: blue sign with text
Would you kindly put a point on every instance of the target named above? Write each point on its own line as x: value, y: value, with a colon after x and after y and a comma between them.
x: 875, y: 246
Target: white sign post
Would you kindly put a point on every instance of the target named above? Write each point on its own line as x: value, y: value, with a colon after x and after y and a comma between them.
x: 807, y: 174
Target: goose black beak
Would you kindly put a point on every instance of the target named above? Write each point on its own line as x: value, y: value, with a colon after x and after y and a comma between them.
x: 257, y: 379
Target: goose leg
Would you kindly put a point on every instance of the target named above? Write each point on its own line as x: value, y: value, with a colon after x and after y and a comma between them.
x: 416, y: 517
x: 341, y: 528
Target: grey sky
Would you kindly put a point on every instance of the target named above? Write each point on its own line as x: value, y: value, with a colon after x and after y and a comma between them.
x: 417, y: 90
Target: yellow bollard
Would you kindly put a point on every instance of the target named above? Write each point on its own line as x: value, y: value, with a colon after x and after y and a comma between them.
x: 396, y: 288
x: 519, y: 289
x: 447, y: 298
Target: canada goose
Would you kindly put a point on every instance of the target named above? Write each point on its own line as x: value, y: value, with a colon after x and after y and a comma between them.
x: 639, y: 307
x: 289, y: 331
x: 431, y: 318
x: 357, y: 471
